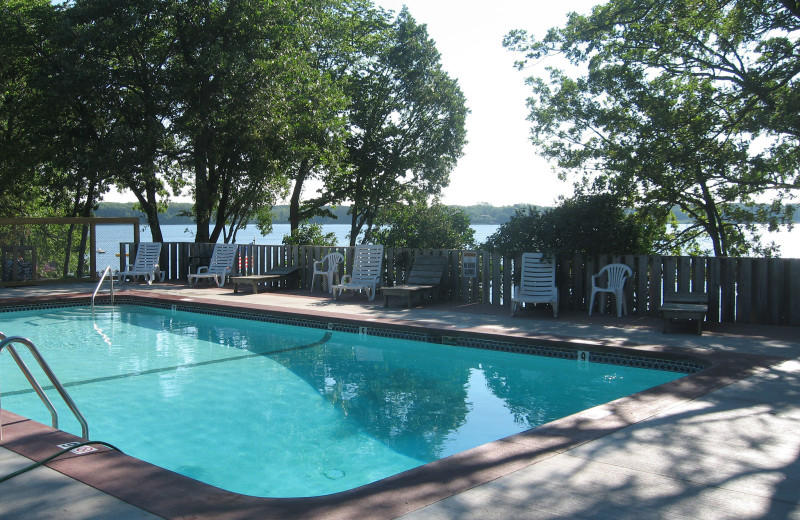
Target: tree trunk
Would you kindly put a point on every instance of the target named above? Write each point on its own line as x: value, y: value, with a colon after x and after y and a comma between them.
x: 294, y: 202
x: 202, y: 202
x: 150, y: 209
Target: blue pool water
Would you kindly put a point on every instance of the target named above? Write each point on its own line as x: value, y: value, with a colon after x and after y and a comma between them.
x: 277, y: 410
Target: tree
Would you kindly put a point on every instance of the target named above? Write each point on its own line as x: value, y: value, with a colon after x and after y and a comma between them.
x: 406, y: 118
x: 309, y: 235
x: 31, y: 183
x: 235, y: 66
x: 684, y: 103
x: 420, y: 226
x: 110, y: 78
x: 344, y: 37
x: 591, y: 225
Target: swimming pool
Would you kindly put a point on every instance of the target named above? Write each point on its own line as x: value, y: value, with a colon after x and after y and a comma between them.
x: 231, y: 407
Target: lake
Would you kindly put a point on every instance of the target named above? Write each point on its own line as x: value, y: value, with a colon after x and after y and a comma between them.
x: 790, y: 245
x: 251, y: 235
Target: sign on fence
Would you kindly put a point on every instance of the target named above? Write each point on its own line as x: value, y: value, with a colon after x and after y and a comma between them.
x: 469, y: 264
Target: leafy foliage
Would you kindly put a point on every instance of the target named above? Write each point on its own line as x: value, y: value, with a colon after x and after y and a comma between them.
x: 309, y: 235
x: 406, y: 125
x: 591, y: 225
x: 420, y: 226
x: 234, y: 100
x: 684, y: 103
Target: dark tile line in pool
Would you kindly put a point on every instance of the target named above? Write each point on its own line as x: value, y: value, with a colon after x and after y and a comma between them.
x: 685, y: 366
x: 43, y: 306
x: 609, y: 358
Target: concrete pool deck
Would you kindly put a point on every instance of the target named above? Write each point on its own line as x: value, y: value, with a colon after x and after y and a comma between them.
x: 732, y: 452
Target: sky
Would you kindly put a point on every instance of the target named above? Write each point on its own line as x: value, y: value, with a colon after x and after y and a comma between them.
x: 500, y: 165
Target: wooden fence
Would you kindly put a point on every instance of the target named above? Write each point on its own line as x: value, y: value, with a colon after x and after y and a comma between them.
x: 741, y: 290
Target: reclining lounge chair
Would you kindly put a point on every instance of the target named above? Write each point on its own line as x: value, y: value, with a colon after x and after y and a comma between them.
x: 537, y: 283
x: 220, y: 266
x: 367, y: 271
x: 146, y: 263
x: 423, y: 280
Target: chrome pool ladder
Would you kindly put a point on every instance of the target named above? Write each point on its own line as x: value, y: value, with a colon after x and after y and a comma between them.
x: 6, y: 342
x: 106, y: 271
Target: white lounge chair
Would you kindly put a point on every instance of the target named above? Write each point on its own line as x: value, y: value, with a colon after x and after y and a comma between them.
x: 220, y: 266
x: 617, y: 274
x: 537, y: 283
x: 146, y: 263
x: 328, y: 270
x: 367, y: 271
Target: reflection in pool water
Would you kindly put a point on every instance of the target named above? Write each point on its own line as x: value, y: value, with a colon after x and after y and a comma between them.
x: 276, y: 410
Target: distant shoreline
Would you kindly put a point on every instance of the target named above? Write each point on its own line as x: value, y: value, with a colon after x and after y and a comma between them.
x: 479, y: 214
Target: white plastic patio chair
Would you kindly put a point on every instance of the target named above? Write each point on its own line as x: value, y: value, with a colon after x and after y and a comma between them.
x: 328, y: 270
x: 220, y: 266
x: 367, y: 271
x: 146, y: 263
x: 617, y: 274
x: 537, y: 283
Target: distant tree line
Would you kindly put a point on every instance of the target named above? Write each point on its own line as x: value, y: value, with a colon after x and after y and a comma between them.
x: 180, y: 213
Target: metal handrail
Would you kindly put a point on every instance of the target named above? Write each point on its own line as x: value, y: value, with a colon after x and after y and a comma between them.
x: 7, y: 343
x: 102, y: 278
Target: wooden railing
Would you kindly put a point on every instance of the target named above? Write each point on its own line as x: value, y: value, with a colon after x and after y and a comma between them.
x: 37, y: 251
x: 741, y: 290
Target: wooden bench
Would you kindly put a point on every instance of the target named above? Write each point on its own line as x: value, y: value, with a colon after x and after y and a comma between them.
x: 423, y: 280
x: 272, y: 276
x: 684, y: 306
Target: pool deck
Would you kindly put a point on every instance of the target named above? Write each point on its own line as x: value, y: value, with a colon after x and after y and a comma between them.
x: 727, y: 448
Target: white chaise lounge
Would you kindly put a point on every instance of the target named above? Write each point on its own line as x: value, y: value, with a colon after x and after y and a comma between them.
x: 220, y: 266
x: 146, y: 263
x: 537, y: 283
x: 367, y: 271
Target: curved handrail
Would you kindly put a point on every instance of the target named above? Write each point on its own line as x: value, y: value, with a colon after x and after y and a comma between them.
x: 33, y: 382
x: 7, y: 343
x: 102, y: 278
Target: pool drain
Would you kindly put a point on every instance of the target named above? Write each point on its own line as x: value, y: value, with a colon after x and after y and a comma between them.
x: 334, y: 474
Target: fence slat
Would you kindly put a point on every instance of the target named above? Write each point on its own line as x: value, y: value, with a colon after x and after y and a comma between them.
x: 496, y: 278
x: 578, y: 299
x: 483, y: 271
x: 640, y: 278
x: 744, y: 302
x: 508, y: 279
x: 713, y: 290
x: 792, y: 287
x: 699, y: 274
x: 683, y: 275
x: 760, y: 300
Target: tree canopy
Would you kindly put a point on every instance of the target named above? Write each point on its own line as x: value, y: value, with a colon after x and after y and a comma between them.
x: 688, y: 104
x: 587, y: 224
x: 406, y: 125
x: 236, y: 101
x: 422, y: 226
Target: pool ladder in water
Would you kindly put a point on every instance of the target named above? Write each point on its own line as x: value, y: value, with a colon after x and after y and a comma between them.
x: 106, y: 272
x: 6, y: 342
